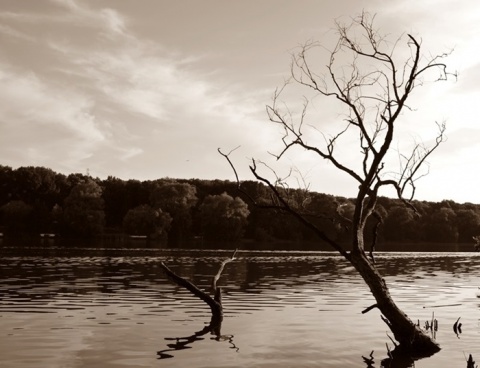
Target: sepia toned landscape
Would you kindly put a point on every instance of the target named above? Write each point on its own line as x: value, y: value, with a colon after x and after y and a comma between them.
x: 239, y: 184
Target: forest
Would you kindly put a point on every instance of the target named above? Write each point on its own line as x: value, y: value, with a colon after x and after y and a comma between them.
x: 37, y: 200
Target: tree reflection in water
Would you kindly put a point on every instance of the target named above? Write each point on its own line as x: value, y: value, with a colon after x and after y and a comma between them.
x: 181, y: 343
x: 398, y: 357
x: 215, y: 304
x: 395, y: 359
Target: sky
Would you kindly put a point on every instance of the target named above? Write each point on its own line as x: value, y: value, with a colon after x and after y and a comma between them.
x: 151, y: 89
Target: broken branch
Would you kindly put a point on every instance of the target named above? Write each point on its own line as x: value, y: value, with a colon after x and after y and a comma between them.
x: 366, y: 310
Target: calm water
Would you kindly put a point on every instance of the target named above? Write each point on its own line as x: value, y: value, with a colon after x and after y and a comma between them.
x: 281, y: 309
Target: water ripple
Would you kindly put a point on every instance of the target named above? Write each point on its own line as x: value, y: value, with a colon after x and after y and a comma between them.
x: 97, y: 307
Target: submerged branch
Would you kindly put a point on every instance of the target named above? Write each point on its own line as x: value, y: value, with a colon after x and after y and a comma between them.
x: 220, y: 270
x: 214, y: 303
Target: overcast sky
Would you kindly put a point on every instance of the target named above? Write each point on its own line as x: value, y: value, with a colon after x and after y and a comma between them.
x: 150, y: 89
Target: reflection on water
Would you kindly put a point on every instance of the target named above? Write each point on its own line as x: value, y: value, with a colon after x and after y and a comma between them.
x: 181, y: 343
x: 281, y: 309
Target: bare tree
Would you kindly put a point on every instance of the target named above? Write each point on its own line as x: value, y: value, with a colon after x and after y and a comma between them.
x: 215, y: 304
x: 373, y: 86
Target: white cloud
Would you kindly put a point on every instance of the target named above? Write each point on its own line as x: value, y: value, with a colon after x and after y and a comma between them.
x: 42, y: 123
x: 124, y: 99
x: 115, y: 22
x: 31, y: 100
x: 129, y: 153
x: 95, y: 92
x: 12, y: 32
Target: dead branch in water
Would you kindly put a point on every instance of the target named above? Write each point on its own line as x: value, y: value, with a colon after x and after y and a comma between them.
x: 219, y: 273
x: 214, y: 303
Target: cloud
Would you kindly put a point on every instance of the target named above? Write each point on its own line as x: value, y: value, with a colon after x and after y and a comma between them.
x: 129, y: 153
x: 111, y: 101
x: 13, y: 33
x: 41, y: 121
x: 122, y: 91
x: 66, y: 13
x: 115, y: 22
x: 30, y: 99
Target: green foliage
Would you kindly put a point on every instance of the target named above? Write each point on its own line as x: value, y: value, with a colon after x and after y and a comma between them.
x: 223, y: 217
x: 144, y: 220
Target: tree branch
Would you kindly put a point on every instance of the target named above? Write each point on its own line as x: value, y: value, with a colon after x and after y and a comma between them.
x: 214, y: 303
x: 215, y: 306
x: 286, y: 206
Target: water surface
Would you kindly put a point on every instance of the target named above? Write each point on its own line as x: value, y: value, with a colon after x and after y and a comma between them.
x: 282, y: 309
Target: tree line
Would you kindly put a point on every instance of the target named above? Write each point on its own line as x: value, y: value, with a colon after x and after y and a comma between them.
x: 37, y: 200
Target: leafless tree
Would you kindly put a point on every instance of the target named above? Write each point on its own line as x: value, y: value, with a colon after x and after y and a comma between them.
x: 373, y: 85
x: 214, y: 302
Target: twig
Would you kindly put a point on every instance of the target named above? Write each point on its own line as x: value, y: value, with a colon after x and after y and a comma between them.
x: 220, y: 270
x: 442, y: 305
x: 366, y: 310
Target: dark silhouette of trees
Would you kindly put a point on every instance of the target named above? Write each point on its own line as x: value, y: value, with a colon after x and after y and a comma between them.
x: 400, y: 224
x: 442, y: 226
x: 35, y: 184
x: 332, y: 214
x: 16, y: 216
x: 468, y: 224
x: 371, y: 84
x: 223, y: 217
x: 83, y: 210
x: 144, y: 220
x: 6, y: 186
x: 116, y: 204
x: 177, y: 199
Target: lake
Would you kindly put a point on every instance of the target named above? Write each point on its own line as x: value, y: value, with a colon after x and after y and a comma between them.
x: 115, y: 308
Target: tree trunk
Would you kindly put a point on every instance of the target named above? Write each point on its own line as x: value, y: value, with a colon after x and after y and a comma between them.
x: 411, y: 338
